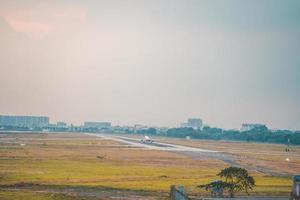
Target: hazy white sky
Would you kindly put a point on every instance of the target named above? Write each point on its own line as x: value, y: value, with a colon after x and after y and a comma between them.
x: 154, y: 62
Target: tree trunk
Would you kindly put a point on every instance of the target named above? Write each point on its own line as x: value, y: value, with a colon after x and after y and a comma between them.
x: 231, y: 193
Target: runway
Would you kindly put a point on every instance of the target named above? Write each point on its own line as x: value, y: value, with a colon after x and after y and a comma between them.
x: 153, y: 146
x: 196, y: 153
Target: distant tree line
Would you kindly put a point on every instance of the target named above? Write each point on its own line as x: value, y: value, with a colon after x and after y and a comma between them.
x: 260, y: 134
x: 255, y: 135
x: 149, y: 131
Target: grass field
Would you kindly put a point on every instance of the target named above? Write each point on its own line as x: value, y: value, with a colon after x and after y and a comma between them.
x: 77, y: 166
x: 271, y: 156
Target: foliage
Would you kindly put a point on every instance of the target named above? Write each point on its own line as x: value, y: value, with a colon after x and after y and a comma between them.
x: 255, y: 135
x: 149, y: 131
x: 236, y: 179
x: 216, y: 188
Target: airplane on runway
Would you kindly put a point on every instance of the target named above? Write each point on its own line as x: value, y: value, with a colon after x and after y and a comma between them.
x: 147, y: 140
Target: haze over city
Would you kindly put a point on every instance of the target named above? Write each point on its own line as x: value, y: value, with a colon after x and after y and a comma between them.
x: 152, y: 62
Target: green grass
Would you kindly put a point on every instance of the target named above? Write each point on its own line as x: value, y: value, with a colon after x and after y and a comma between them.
x: 83, y: 172
x: 75, y: 164
x: 93, y: 172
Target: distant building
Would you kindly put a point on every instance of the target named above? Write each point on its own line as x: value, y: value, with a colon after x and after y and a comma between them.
x: 194, y: 123
x: 162, y: 130
x: 99, y: 125
x: 184, y: 125
x: 24, y: 121
x: 139, y: 127
x: 248, y: 127
x: 61, y: 124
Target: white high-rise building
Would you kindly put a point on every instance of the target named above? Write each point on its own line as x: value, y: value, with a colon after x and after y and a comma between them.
x: 195, y: 123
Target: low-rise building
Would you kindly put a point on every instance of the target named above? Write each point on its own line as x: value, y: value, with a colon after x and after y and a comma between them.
x: 61, y: 124
x: 248, y: 127
x: 24, y: 121
x: 98, y: 125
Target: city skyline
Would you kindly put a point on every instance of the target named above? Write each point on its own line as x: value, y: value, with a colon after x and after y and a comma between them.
x: 190, y: 123
x: 152, y: 62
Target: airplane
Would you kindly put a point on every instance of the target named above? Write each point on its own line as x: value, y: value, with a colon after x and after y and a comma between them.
x: 147, y: 140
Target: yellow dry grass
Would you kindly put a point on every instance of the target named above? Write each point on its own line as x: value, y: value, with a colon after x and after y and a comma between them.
x: 271, y: 156
x: 81, y: 160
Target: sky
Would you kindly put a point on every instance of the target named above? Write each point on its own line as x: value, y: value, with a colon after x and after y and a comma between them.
x: 152, y: 62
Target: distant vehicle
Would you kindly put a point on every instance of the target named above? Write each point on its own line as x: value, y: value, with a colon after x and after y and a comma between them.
x: 147, y: 140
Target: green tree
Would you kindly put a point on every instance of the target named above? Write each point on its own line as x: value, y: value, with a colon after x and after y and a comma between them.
x: 216, y: 188
x: 238, y: 179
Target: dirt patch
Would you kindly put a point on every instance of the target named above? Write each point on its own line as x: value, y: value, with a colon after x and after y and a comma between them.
x: 87, y: 192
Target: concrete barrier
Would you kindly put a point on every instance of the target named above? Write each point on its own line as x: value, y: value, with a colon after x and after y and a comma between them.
x: 295, y: 194
x: 178, y: 193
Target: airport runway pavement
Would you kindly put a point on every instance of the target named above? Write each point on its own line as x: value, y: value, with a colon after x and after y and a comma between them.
x: 154, y: 146
x: 196, y: 153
